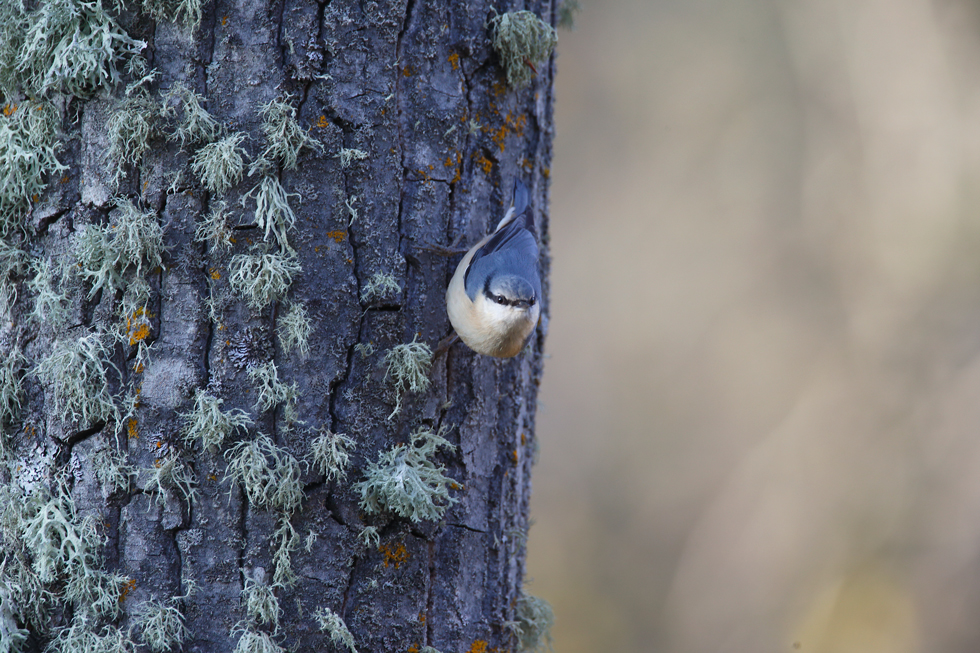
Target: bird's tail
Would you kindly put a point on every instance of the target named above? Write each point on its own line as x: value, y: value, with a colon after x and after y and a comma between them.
x: 518, y: 207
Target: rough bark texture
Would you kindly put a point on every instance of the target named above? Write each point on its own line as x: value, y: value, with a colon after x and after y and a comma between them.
x: 418, y: 87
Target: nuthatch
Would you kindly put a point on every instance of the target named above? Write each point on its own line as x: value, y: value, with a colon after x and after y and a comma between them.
x: 494, y: 296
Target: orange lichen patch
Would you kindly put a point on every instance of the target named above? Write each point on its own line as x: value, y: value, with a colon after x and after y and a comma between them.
x: 396, y: 555
x: 407, y: 71
x: 546, y: 173
x: 224, y: 21
x: 35, y: 198
x: 479, y: 646
x: 138, y: 368
x: 338, y: 236
x: 513, y: 456
x: 140, y: 334
x: 8, y: 109
x: 523, y: 440
x: 499, y: 88
x: 456, y: 486
x: 454, y: 60
x: 422, y: 617
x: 484, y: 162
x: 64, y: 180
x: 215, y: 274
x: 414, y: 648
x: 212, y: 477
x: 126, y: 588
x: 131, y: 430
x: 322, y: 122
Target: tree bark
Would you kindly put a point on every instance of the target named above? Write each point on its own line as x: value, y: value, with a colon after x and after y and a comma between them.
x: 418, y: 87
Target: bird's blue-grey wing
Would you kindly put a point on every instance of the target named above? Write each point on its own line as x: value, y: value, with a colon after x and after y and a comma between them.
x: 512, y: 249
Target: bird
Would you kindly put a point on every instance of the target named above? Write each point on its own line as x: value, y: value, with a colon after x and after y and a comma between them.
x: 494, y: 297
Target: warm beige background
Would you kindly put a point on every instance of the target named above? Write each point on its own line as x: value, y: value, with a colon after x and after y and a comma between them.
x: 761, y: 424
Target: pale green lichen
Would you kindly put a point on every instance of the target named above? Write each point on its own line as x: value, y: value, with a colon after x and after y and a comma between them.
x: 84, y: 636
x: 408, y: 367
x: 161, y: 626
x: 567, y: 12
x: 214, y: 229
x: 272, y: 211
x: 261, y: 604
x: 28, y: 149
x: 369, y: 536
x: 170, y: 478
x: 12, y: 637
x: 172, y: 11
x: 407, y: 481
x: 331, y: 623
x: 132, y: 241
x: 349, y: 156
x: 253, y: 641
x: 271, y: 391
x: 220, y: 165
x: 50, y: 302
x: 262, y: 278
x: 11, y: 393
x: 285, y: 540
x: 75, y: 374
x: 112, y: 469
x: 71, y: 46
x: 365, y: 349
x: 379, y: 286
x: 330, y: 453
x: 534, y: 620
x: 196, y: 125
x: 270, y: 475
x: 13, y: 262
x: 131, y: 127
x: 521, y: 39
x: 207, y: 425
x: 284, y: 135
x: 294, y: 330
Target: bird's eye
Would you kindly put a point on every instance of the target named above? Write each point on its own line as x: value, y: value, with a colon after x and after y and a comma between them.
x: 499, y: 299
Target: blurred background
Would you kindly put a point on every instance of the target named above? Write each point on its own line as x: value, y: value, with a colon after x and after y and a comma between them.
x: 761, y: 421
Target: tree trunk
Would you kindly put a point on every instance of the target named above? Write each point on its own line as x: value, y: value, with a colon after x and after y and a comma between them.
x: 410, y: 135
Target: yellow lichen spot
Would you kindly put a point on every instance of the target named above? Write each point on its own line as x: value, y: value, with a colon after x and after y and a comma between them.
x: 414, y: 648
x: 224, y: 21
x: 456, y: 486
x: 395, y: 555
x: 131, y: 430
x: 513, y: 456
x: 215, y: 274
x: 64, y: 180
x: 8, y: 109
x: 407, y: 71
x: 232, y: 240
x: 35, y: 198
x: 140, y: 334
x: 499, y: 88
x: 479, y: 646
x: 422, y: 617
x: 138, y: 368
x: 126, y: 588
x: 523, y: 440
x: 338, y: 236
x: 484, y: 163
x: 212, y: 477
x: 546, y: 173
x: 454, y: 60
x: 322, y: 122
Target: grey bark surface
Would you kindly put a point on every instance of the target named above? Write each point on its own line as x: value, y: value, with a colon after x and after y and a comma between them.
x: 418, y: 87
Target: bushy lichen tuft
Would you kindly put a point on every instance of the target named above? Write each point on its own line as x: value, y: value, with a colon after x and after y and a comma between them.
x: 269, y: 475
x: 206, y: 424
x: 272, y: 211
x: 112, y: 469
x: 133, y: 124
x: 331, y: 623
x: 172, y: 11
x: 170, y: 477
x: 28, y: 150
x: 408, y: 367
x: 331, y: 454
x: 407, y: 481
x: 271, y: 391
x: 285, y: 540
x: 11, y: 394
x: 195, y: 126
x: 284, y: 135
x: 12, y: 637
x: 534, y: 621
x: 261, y: 604
x: 84, y: 635
x: 262, y: 278
x: 133, y: 241
x: 71, y: 46
x: 75, y: 374
x: 50, y: 301
x: 161, y: 626
x: 253, y: 641
x: 215, y: 230
x: 220, y: 165
x: 294, y: 330
x: 349, y: 156
x: 521, y: 39
x: 379, y: 286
